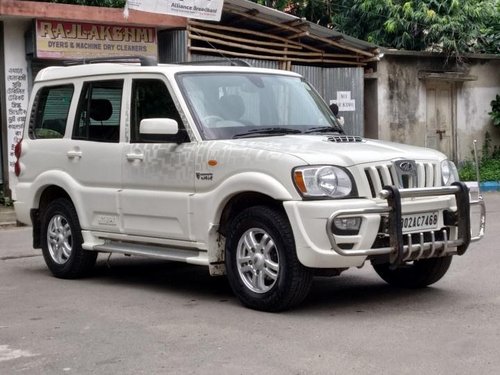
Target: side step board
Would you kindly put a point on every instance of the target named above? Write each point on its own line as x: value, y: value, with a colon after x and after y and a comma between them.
x: 188, y: 256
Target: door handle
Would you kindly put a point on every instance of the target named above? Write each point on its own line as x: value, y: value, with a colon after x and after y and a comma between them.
x: 74, y: 154
x: 132, y: 157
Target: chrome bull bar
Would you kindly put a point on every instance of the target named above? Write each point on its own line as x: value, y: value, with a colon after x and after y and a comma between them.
x: 399, y: 252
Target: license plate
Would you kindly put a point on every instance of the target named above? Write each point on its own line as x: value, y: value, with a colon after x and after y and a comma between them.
x: 419, y: 222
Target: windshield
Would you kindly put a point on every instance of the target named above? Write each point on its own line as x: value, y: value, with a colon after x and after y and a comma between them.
x: 233, y: 105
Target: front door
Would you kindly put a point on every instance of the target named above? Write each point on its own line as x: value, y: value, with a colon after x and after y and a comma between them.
x: 440, y: 117
x: 158, y: 171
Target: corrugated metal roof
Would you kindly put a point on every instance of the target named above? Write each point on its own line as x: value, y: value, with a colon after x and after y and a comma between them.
x: 318, y: 30
x: 251, y: 31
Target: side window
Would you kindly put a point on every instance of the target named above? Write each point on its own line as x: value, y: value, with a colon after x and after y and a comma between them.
x: 51, y: 113
x: 99, y: 109
x: 151, y: 99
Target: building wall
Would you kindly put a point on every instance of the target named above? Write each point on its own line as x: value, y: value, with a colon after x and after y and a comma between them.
x: 345, y: 87
x: 473, y: 105
x: 402, y: 98
x: 15, y: 95
x: 172, y: 46
x: 401, y: 107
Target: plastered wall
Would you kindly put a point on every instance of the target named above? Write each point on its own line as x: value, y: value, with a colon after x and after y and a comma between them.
x: 401, y: 103
x: 15, y: 95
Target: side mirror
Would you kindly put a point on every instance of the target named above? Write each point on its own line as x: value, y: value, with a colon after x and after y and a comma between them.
x: 159, y: 126
x: 341, y: 120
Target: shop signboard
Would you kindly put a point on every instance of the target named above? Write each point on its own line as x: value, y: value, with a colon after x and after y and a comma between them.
x: 209, y: 10
x: 16, y: 85
x: 79, y: 40
x: 344, y: 101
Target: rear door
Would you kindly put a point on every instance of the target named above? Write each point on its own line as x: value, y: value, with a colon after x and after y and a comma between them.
x: 93, y: 154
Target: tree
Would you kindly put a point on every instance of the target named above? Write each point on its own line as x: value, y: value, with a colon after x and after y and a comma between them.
x: 450, y: 26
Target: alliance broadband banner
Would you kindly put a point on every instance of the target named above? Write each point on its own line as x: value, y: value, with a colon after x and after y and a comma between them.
x: 201, y: 9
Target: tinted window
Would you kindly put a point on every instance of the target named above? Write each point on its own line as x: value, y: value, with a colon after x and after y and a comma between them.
x: 151, y: 99
x: 51, y: 113
x: 99, y: 109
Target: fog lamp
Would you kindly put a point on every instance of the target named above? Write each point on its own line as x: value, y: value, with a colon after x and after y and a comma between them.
x: 346, y: 225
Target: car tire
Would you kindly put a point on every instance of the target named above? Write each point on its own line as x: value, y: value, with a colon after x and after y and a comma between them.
x: 261, y: 261
x: 417, y: 274
x: 61, y: 240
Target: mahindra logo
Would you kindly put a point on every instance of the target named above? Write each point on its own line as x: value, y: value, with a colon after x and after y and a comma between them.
x: 406, y: 166
x: 406, y: 172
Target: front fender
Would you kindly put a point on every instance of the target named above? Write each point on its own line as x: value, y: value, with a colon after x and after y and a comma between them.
x: 207, y: 207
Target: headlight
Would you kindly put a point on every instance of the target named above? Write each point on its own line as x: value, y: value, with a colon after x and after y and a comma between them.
x: 322, y: 181
x: 449, y: 173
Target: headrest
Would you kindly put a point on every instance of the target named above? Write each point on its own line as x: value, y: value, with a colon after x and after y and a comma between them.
x: 100, y: 109
x: 232, y: 107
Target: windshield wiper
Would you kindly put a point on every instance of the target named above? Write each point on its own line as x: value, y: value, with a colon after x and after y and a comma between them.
x: 324, y: 129
x: 267, y: 131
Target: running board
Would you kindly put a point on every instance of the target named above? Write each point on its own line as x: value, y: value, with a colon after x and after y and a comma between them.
x: 188, y: 256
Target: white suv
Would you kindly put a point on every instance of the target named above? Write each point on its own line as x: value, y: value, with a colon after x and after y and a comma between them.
x: 239, y: 169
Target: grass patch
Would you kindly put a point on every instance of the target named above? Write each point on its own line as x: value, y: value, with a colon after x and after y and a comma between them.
x: 489, y: 170
x: 489, y: 165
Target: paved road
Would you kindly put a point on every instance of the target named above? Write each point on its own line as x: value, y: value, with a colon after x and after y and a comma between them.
x: 148, y: 317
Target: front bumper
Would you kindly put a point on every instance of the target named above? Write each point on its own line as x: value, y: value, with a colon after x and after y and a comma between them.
x: 318, y: 247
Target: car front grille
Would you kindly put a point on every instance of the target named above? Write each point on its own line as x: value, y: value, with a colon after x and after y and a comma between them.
x: 378, y: 176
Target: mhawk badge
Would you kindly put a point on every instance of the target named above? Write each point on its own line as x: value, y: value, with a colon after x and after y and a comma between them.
x: 204, y: 176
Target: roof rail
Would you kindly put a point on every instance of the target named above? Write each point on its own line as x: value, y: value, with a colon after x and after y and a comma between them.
x: 222, y: 62
x: 145, y: 61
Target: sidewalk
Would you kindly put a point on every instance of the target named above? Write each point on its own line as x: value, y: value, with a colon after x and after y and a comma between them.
x: 7, y: 216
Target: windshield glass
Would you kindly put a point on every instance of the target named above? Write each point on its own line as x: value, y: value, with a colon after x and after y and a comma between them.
x: 233, y: 105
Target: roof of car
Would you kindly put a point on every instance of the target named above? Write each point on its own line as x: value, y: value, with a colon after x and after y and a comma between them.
x: 92, y: 70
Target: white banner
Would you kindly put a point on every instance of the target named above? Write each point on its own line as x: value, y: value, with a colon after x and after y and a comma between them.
x: 344, y: 101
x: 201, y: 9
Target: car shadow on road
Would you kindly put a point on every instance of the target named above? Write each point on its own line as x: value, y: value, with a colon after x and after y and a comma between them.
x: 159, y: 275
x: 344, y: 294
x: 362, y: 293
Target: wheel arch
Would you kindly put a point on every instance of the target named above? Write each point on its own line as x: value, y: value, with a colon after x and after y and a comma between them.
x: 231, y: 207
x: 246, y: 190
x: 50, y: 193
x: 242, y: 201
x: 44, y: 196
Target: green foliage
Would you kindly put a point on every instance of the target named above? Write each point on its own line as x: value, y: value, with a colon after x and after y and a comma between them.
x: 489, y: 171
x: 450, y: 26
x: 467, y: 171
x: 489, y: 165
x: 495, y: 111
x: 276, y: 4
